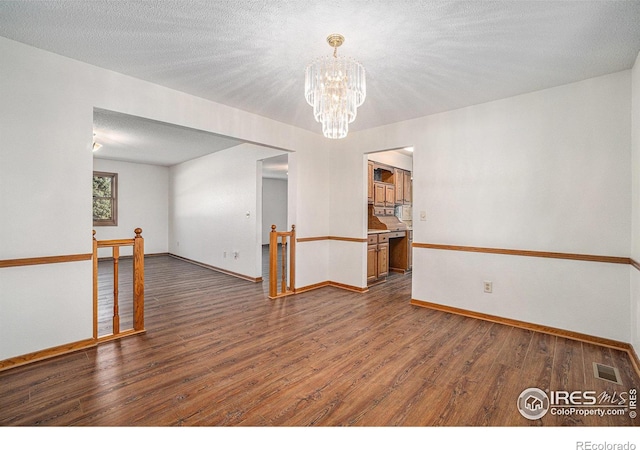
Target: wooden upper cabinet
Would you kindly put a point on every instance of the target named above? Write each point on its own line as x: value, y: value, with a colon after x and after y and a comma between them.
x: 384, y: 194
x: 388, y: 186
x: 389, y: 195
x: 398, y: 182
x: 379, y: 194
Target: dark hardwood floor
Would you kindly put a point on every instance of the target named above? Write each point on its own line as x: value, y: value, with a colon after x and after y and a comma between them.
x: 218, y: 352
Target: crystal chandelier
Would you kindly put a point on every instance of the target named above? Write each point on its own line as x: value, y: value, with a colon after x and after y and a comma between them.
x: 335, y: 87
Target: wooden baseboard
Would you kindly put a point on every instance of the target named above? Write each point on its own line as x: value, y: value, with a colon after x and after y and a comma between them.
x: 217, y: 269
x: 311, y: 287
x: 604, y: 342
x: 333, y: 284
x: 46, y: 354
x: 348, y: 287
x: 123, y: 334
x: 62, y: 350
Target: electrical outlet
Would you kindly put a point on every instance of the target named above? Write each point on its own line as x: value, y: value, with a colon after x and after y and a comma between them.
x: 236, y: 255
x: 224, y: 254
x: 488, y: 287
x: 423, y: 216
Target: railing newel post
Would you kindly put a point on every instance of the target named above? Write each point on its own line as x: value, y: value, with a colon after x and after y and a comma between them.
x: 116, y: 268
x: 292, y: 260
x: 273, y: 261
x: 95, y: 286
x: 138, y: 280
x: 288, y: 248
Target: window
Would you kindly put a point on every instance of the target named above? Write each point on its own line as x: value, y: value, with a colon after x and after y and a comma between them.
x: 105, y: 198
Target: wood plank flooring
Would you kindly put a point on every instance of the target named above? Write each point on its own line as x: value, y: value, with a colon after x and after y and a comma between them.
x: 218, y: 352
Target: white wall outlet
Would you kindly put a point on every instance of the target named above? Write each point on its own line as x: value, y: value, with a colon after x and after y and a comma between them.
x: 488, y: 287
x: 236, y: 255
x: 224, y: 254
x: 423, y: 215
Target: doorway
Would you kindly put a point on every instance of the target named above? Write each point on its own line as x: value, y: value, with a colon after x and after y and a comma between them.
x: 195, y: 194
x: 275, y: 199
x: 389, y: 214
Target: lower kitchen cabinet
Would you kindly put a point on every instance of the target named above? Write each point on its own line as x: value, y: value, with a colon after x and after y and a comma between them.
x: 377, y: 258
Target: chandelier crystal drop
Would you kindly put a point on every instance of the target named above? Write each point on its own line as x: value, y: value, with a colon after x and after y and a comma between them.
x: 335, y: 86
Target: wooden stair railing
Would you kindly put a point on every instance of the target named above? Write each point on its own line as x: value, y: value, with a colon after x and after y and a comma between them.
x: 287, y: 252
x: 138, y: 285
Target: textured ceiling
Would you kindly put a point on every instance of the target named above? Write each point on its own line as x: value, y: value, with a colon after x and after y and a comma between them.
x: 421, y: 57
x: 134, y: 139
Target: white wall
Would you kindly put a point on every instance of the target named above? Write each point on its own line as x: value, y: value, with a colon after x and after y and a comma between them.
x: 45, y: 179
x: 274, y: 206
x: 545, y: 171
x: 143, y: 201
x: 635, y: 169
x: 214, y: 207
x: 46, y: 129
x: 349, y: 208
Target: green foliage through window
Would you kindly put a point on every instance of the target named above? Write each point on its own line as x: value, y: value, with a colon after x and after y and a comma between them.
x: 104, y: 198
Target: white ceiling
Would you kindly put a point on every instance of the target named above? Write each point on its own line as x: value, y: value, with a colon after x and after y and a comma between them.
x: 134, y: 139
x: 129, y: 138
x: 421, y: 57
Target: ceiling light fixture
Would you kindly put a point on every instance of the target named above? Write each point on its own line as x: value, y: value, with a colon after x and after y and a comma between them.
x: 96, y: 146
x: 335, y: 87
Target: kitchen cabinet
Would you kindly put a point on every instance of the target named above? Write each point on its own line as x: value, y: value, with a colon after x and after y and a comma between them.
x: 379, y: 194
x: 383, y: 194
x: 398, y: 180
x: 389, y: 195
x: 389, y: 248
x: 388, y: 186
x: 377, y: 257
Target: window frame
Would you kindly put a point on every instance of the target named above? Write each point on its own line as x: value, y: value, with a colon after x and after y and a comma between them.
x: 113, y: 221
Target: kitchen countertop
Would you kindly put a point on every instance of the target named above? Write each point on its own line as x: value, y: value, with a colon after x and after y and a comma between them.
x: 387, y: 231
